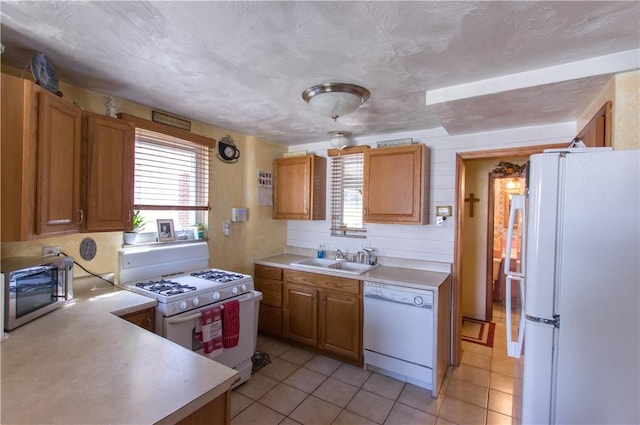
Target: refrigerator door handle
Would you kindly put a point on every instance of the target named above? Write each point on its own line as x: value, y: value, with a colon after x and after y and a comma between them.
x: 514, y: 348
x: 517, y: 203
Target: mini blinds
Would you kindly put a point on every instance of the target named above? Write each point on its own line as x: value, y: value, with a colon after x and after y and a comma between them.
x: 346, y: 193
x: 170, y: 173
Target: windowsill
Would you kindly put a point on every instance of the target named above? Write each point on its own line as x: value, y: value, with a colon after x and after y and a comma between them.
x: 166, y: 243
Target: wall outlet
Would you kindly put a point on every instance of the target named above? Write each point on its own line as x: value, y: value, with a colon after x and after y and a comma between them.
x: 48, y: 251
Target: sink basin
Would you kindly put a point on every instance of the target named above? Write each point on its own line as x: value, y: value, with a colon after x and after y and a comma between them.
x: 342, y: 266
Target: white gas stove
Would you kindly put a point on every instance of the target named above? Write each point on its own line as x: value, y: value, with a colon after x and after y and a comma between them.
x: 160, y: 273
x: 179, y: 278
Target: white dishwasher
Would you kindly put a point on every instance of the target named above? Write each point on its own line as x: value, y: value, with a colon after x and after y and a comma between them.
x: 398, y: 332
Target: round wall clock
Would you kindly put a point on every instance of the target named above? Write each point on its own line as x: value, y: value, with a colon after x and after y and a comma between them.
x: 88, y: 249
x: 227, y: 150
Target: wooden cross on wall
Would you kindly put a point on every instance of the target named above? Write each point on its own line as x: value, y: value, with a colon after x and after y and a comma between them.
x: 471, y: 200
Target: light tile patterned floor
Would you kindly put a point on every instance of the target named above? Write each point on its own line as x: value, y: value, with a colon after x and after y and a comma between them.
x: 300, y: 387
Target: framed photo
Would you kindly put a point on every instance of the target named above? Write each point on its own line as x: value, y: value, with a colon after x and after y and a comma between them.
x: 165, y: 230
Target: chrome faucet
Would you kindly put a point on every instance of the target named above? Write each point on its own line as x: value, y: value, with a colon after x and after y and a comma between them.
x: 340, y: 255
x: 371, y: 259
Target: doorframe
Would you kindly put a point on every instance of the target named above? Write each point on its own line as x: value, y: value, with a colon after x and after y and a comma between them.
x: 458, y: 242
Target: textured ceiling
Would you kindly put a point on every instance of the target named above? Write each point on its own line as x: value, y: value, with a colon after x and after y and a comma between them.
x: 242, y: 66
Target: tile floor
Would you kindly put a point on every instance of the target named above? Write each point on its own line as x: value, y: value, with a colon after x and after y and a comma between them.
x: 301, y: 387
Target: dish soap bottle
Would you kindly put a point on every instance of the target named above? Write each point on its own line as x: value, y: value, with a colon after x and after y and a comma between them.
x: 320, y: 252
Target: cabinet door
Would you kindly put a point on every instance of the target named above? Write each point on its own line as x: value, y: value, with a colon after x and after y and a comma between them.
x: 109, y: 145
x: 270, y: 319
x: 143, y: 318
x: 58, y: 166
x: 395, y: 185
x: 299, y: 188
x: 340, y: 323
x: 301, y: 313
x: 18, y: 151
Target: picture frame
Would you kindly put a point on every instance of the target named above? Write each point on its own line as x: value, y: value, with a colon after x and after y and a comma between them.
x: 166, y: 231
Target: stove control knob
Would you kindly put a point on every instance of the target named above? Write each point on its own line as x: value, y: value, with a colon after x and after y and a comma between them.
x: 216, y: 296
x: 195, y: 302
x: 183, y: 305
x: 234, y: 291
x: 243, y: 287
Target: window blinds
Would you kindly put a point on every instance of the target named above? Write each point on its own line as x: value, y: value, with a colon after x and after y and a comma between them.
x: 170, y: 173
x: 346, y: 194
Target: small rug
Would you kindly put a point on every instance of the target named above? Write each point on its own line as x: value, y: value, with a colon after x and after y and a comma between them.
x: 477, y: 331
x: 259, y: 360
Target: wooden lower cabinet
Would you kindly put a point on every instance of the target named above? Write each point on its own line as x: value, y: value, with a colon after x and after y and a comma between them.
x: 301, y: 313
x: 217, y: 411
x: 324, y: 312
x: 340, y: 322
x: 143, y: 318
x: 268, y: 280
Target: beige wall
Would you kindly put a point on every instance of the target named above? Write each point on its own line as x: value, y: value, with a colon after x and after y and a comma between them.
x: 624, y: 92
x: 232, y: 185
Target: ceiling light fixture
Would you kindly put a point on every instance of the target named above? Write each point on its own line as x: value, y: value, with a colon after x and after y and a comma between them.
x: 339, y: 139
x: 335, y: 99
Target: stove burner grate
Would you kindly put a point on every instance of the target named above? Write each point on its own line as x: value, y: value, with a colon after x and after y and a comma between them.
x: 165, y: 287
x: 217, y: 275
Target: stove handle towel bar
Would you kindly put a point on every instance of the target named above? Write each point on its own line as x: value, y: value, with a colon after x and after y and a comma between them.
x: 178, y: 320
x: 194, y: 316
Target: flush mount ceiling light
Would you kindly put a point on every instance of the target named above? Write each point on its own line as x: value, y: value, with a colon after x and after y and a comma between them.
x: 335, y: 99
x: 339, y: 139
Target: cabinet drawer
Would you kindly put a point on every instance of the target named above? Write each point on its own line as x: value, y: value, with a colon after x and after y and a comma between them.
x: 270, y: 319
x: 267, y: 272
x: 341, y: 284
x: 271, y: 291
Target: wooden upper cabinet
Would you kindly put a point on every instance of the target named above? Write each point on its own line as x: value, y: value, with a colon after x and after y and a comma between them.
x: 19, y: 128
x: 108, y: 169
x: 41, y: 135
x: 58, y: 166
x: 299, y: 188
x: 396, y: 185
x: 597, y: 132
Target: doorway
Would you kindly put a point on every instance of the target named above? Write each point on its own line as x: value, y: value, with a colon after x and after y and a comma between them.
x: 522, y: 153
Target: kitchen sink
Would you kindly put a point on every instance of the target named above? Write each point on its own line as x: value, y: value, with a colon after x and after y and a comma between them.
x: 342, y: 266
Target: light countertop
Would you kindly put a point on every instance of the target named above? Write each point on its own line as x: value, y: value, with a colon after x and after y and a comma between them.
x: 81, y: 364
x: 413, y: 278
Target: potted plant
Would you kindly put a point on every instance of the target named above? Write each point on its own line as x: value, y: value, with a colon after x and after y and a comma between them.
x: 138, y: 223
x: 198, y: 230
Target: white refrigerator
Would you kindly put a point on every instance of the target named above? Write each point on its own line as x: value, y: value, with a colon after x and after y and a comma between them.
x: 579, y: 333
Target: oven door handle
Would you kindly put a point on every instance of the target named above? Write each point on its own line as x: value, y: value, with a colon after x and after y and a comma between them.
x: 178, y: 320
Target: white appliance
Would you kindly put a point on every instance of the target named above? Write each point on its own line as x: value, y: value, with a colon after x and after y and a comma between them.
x: 398, y: 333
x: 178, y: 277
x: 581, y: 282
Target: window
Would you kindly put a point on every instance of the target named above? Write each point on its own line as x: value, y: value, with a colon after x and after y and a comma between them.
x: 171, y: 180
x: 346, y: 192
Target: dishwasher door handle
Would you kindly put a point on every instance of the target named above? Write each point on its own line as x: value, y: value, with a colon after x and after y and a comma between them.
x: 389, y: 300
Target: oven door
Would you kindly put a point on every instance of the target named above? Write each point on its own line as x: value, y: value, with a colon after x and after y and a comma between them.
x: 181, y: 329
